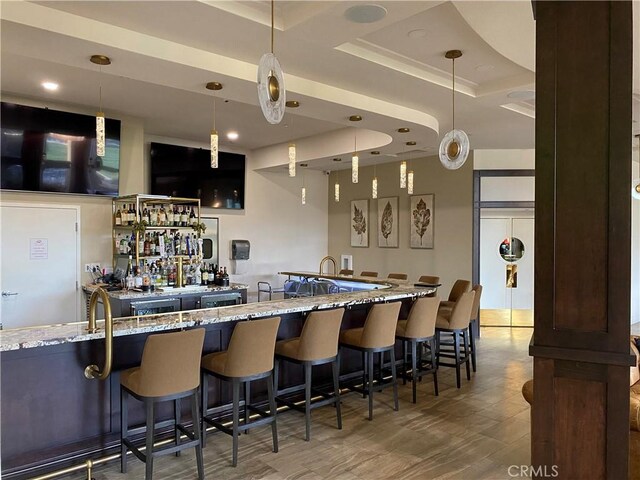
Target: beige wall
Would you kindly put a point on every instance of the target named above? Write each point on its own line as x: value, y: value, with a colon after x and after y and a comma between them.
x: 451, y: 256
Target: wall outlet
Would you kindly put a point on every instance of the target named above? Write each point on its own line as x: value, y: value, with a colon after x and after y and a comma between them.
x: 89, y: 267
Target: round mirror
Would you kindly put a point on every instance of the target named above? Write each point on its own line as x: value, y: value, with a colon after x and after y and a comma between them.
x: 511, y: 249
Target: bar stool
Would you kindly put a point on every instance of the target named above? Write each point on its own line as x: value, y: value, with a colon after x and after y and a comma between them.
x: 398, y: 276
x: 430, y: 280
x: 316, y: 345
x: 169, y: 371
x: 459, y: 287
x: 456, y: 323
x: 369, y: 274
x: 248, y: 358
x: 417, y: 330
x: 377, y: 336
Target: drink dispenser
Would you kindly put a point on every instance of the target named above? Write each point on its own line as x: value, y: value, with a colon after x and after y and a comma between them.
x: 240, y: 255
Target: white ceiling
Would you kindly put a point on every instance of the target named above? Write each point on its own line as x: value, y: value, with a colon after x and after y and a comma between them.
x: 163, y: 54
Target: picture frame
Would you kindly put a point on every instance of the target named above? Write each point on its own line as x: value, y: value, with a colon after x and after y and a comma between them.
x: 421, y: 220
x: 359, y: 223
x: 387, y: 225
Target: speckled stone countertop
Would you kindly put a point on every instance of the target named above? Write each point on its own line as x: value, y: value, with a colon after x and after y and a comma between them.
x: 32, y: 337
x: 168, y: 292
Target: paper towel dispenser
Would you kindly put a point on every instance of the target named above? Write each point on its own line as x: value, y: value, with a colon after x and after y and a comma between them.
x: 240, y: 249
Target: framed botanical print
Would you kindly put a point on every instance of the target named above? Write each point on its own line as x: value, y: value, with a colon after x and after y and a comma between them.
x: 359, y: 219
x: 421, y: 220
x: 387, y: 222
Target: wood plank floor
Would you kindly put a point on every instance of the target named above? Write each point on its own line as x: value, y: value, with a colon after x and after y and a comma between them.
x: 475, y: 432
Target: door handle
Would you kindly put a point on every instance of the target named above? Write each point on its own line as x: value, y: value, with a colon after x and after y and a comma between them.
x: 6, y: 293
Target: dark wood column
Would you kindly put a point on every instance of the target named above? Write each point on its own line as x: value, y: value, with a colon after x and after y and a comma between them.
x: 582, y: 272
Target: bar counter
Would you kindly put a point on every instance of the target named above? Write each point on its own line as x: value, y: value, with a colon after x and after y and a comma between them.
x: 53, y: 417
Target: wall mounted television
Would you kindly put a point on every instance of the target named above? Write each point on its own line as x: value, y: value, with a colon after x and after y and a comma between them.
x: 186, y: 172
x: 46, y: 150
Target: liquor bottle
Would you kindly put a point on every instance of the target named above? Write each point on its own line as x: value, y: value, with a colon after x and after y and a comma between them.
x: 146, y: 245
x: 129, y: 266
x: 162, y: 216
x: 225, y: 278
x: 138, y: 278
x: 192, y: 218
x: 146, y: 279
x: 205, y: 274
x: 124, y: 215
x: 118, y: 217
x: 184, y: 219
x: 153, y: 217
x: 170, y: 215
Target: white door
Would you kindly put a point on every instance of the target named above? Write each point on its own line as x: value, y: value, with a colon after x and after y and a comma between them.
x: 522, y: 297
x: 495, y: 295
x: 40, y: 265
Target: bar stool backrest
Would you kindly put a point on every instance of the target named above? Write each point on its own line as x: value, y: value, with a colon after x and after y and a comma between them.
x: 171, y: 363
x: 369, y: 274
x: 459, y: 287
x: 431, y: 280
x: 422, y: 318
x: 461, y: 313
x: 398, y: 276
x: 319, y: 337
x: 380, y: 325
x: 475, y: 310
x: 251, y: 347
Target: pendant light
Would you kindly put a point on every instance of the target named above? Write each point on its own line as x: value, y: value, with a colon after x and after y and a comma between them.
x: 410, y: 173
x: 454, y: 147
x: 271, y: 90
x: 355, y: 160
x: 374, y: 184
x: 292, y: 146
x: 100, y: 135
x: 303, y: 193
x: 336, y: 187
x: 214, y: 86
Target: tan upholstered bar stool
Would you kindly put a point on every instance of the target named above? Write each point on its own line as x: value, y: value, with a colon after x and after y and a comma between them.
x: 397, y: 276
x: 316, y: 345
x: 377, y: 336
x: 170, y: 370
x: 366, y: 273
x: 248, y: 358
x: 475, y: 313
x: 456, y: 323
x: 459, y: 287
x: 430, y: 280
x: 417, y: 330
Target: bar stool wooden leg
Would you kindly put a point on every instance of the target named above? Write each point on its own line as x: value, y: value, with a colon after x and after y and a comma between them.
x: 467, y: 353
x: 196, y: 433
x: 204, y: 386
x: 369, y: 356
x: 456, y: 349
x: 148, y: 471
x: 394, y: 378
x: 335, y: 366
x: 236, y: 419
x: 124, y: 429
x: 247, y: 402
x: 273, y: 412
x: 307, y: 400
x: 176, y: 416
x: 414, y: 367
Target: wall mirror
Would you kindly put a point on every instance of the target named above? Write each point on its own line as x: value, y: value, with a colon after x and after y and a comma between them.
x: 511, y: 249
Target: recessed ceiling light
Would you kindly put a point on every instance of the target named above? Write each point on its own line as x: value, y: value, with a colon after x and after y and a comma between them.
x: 404, y: 130
x: 484, y: 68
x: 304, y: 164
x: 522, y: 94
x: 419, y: 33
x: 337, y: 159
x: 365, y: 13
x: 375, y: 152
x: 292, y: 103
x: 51, y: 86
x: 411, y: 143
x: 355, y: 118
x: 232, y: 135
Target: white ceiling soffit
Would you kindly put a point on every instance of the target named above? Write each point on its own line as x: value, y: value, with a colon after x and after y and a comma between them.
x: 522, y: 108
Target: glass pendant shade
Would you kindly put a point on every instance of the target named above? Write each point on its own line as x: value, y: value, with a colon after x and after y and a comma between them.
x: 292, y: 160
x: 304, y: 195
x: 100, y: 134
x: 454, y: 149
x: 271, y: 90
x: 410, y: 182
x: 214, y: 149
x: 403, y: 175
x: 374, y: 187
x: 354, y: 168
x: 635, y: 189
x: 336, y: 192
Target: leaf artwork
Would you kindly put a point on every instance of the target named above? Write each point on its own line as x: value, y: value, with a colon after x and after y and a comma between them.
x: 386, y: 222
x: 359, y: 222
x: 421, y: 218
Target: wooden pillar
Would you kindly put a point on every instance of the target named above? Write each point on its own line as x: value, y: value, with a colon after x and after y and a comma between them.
x: 580, y: 345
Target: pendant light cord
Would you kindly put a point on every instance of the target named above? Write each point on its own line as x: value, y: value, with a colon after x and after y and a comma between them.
x: 100, y: 90
x: 453, y: 96
x: 272, y: 24
x: 214, y: 110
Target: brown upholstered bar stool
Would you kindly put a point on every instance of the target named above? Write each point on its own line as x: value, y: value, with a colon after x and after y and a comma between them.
x: 248, y: 358
x: 377, y: 336
x: 170, y: 370
x: 316, y: 345
x: 430, y: 280
x: 366, y: 273
x: 456, y: 323
x: 475, y: 313
x: 459, y: 287
x: 417, y: 330
x: 398, y: 276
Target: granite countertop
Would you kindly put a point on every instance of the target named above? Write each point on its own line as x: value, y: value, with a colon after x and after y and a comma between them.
x: 32, y: 337
x: 167, y: 292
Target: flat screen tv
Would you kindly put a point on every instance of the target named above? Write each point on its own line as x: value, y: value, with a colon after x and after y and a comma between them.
x: 186, y: 172
x: 46, y: 150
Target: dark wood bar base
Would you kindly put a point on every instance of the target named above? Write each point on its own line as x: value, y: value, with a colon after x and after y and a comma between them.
x: 78, y: 419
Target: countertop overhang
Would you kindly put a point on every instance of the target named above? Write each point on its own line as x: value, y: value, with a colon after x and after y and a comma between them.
x: 40, y: 336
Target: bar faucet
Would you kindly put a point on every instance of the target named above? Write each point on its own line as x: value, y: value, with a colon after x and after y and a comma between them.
x: 331, y: 259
